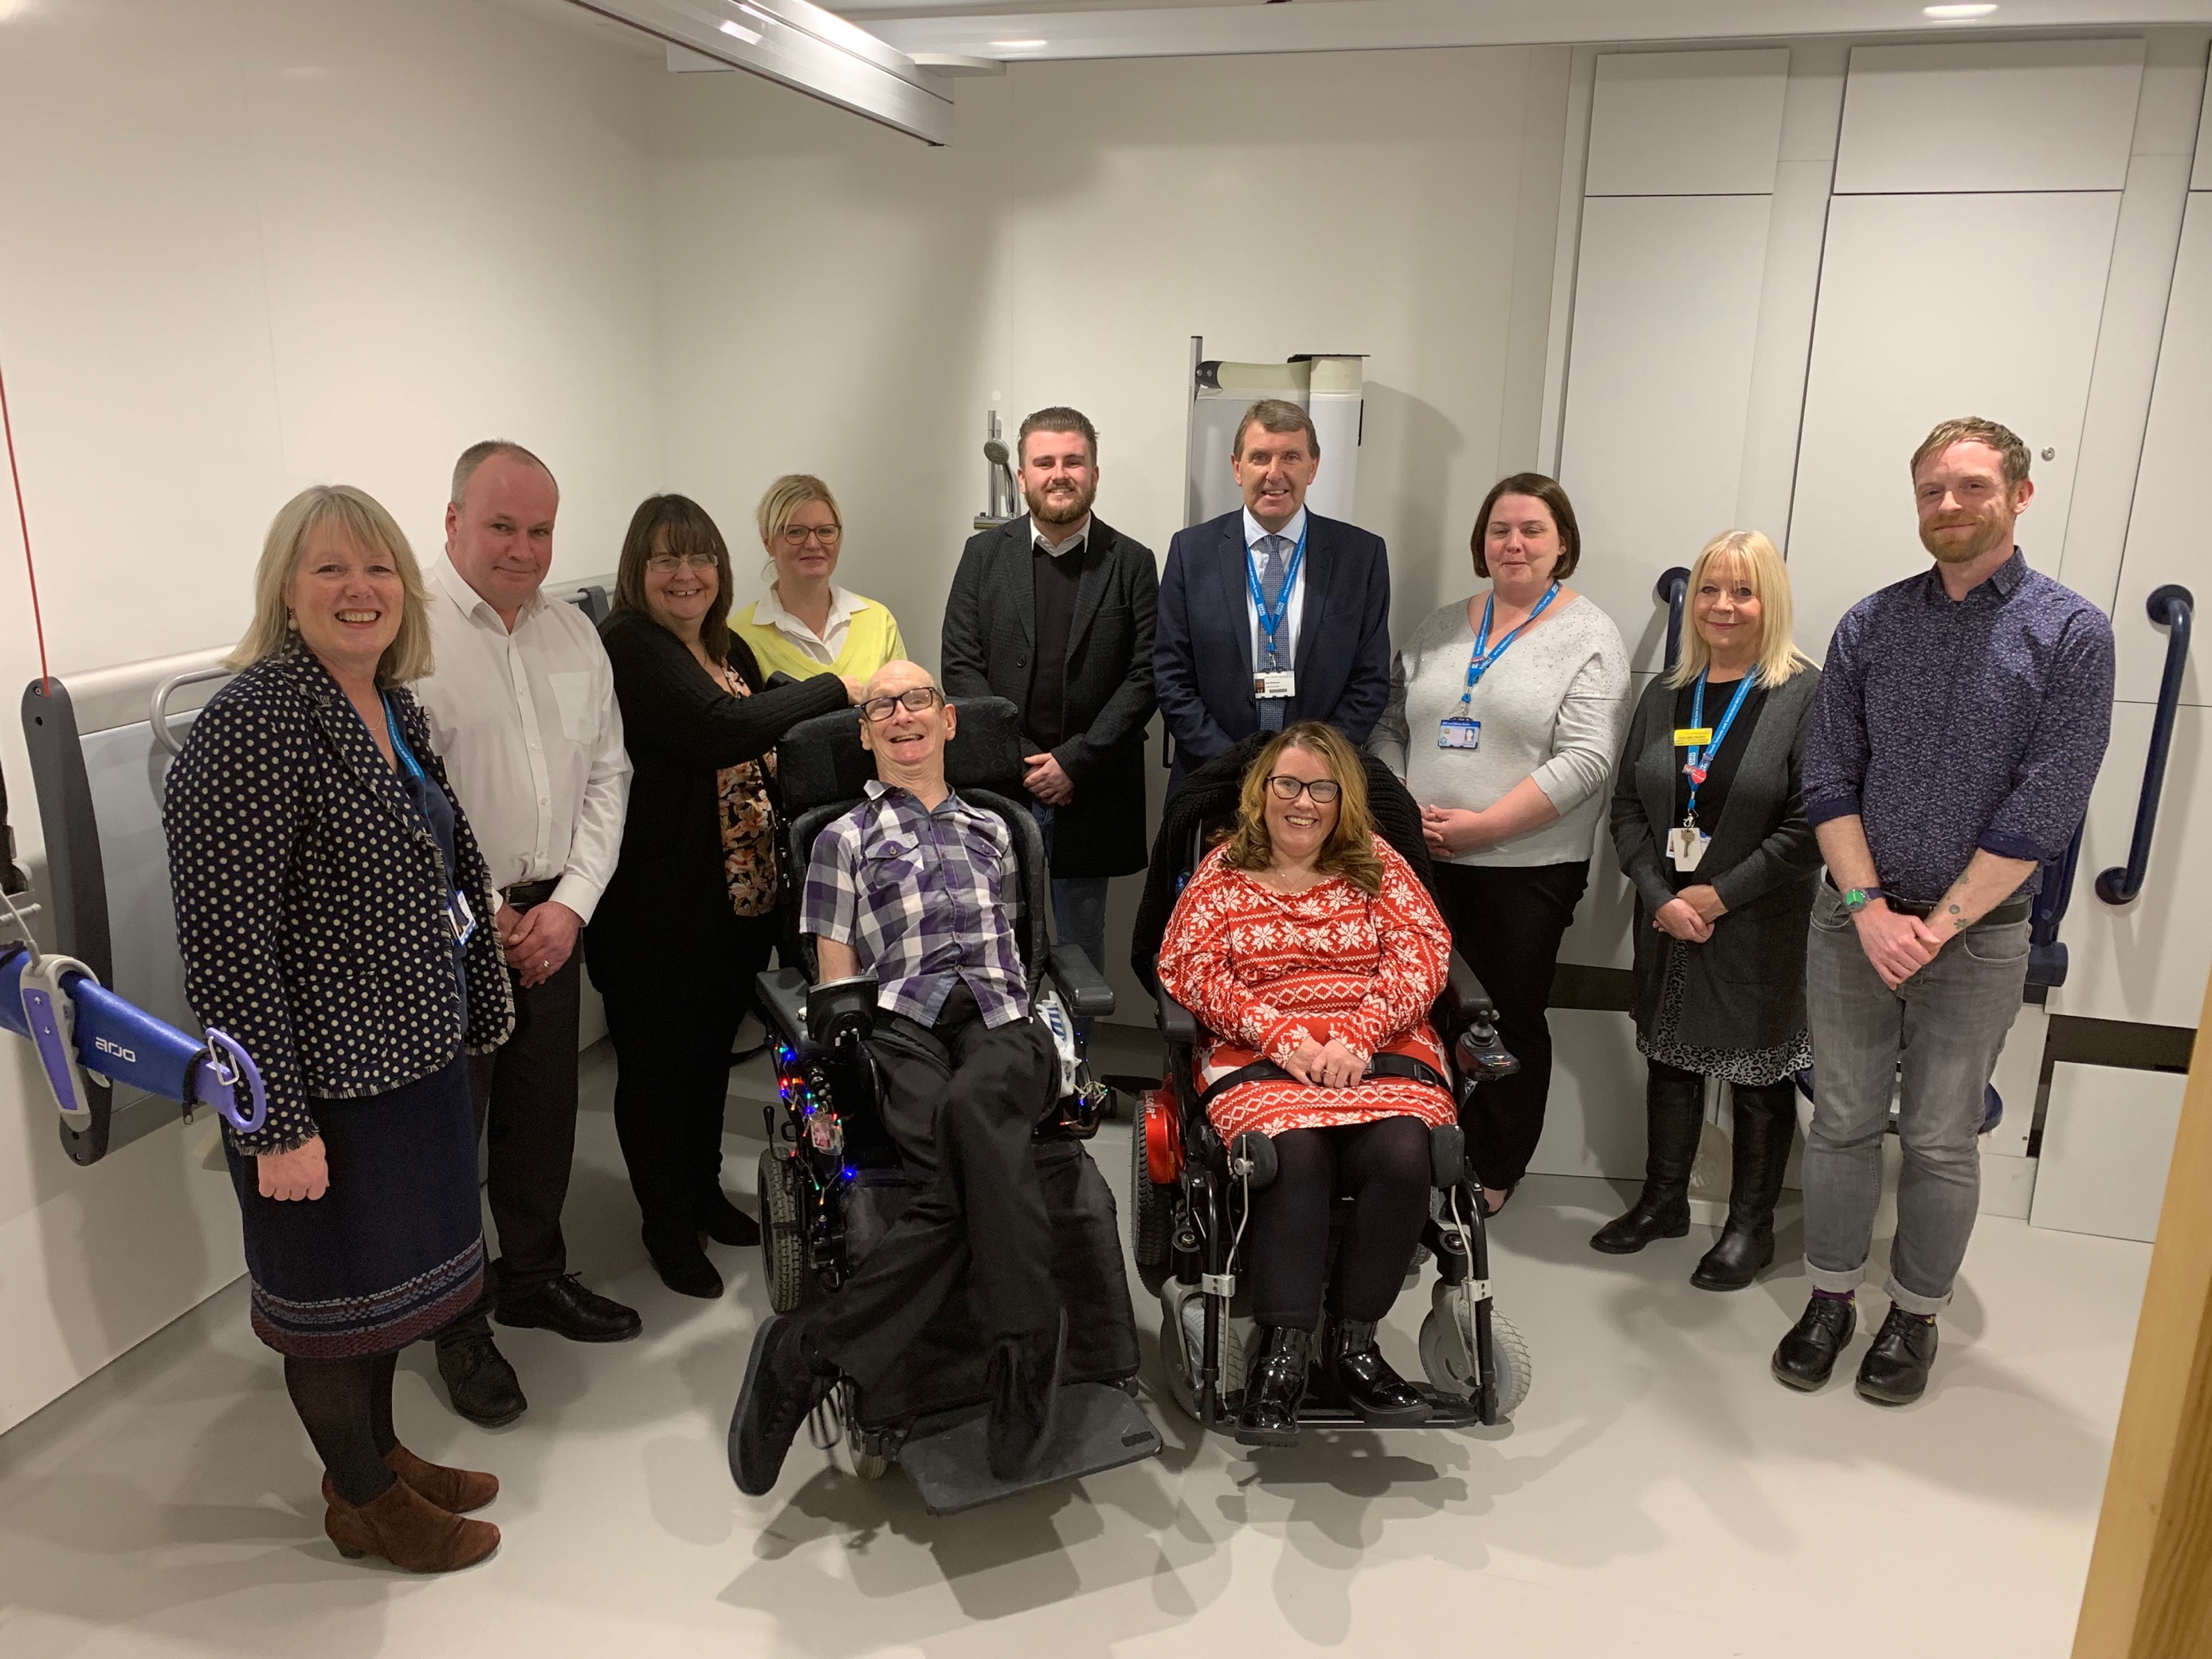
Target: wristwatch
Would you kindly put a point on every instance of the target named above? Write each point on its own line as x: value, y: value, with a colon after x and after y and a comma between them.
x: 1857, y: 899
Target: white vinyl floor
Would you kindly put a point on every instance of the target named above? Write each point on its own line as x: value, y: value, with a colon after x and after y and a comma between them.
x: 1659, y: 1494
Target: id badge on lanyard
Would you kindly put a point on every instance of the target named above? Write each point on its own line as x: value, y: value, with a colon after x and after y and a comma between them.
x: 1462, y: 730
x: 1687, y: 843
x: 1271, y: 679
x: 460, y: 915
x: 1458, y: 732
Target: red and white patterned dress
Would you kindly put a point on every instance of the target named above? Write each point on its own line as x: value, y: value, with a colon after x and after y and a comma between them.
x: 1263, y: 971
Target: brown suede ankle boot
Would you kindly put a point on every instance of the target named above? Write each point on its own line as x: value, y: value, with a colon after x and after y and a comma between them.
x: 457, y: 1491
x: 408, y: 1530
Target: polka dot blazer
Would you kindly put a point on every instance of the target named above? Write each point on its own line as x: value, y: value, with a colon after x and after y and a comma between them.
x: 310, y: 899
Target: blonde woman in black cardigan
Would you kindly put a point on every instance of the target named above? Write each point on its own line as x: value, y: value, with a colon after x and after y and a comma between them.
x: 1710, y: 825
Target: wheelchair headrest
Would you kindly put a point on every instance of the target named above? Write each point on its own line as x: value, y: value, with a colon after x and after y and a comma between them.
x: 820, y: 761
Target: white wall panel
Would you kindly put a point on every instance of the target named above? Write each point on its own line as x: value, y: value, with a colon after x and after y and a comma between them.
x: 2169, y: 533
x: 1659, y: 383
x: 1686, y: 122
x: 1933, y: 307
x: 2107, y: 1146
x: 1595, y: 1122
x: 1999, y: 115
x: 2145, y: 961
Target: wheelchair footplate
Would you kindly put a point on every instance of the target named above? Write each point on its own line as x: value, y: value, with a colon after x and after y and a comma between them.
x: 1446, y: 1411
x: 1096, y: 1427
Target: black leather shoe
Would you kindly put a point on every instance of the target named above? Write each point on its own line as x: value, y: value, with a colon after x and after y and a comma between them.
x: 723, y: 1222
x: 1273, y: 1389
x: 480, y: 1382
x: 1660, y: 1213
x: 1895, y: 1370
x: 1674, y: 1119
x: 1807, y: 1354
x: 1024, y: 1386
x: 1370, y: 1387
x: 1766, y: 1123
x: 782, y: 1386
x: 683, y: 1265
x: 565, y: 1308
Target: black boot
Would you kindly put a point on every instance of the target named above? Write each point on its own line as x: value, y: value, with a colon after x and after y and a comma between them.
x: 1378, y: 1394
x: 1895, y: 1370
x: 681, y: 1262
x: 1765, y: 1122
x: 1674, y: 1108
x: 723, y: 1221
x: 1272, y: 1388
x: 1024, y: 1379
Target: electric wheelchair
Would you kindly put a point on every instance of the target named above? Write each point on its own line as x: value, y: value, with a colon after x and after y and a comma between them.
x: 832, y: 1181
x: 1191, y: 1194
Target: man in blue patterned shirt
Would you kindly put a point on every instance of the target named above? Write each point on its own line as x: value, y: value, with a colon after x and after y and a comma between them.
x: 1962, y: 716
x: 921, y: 890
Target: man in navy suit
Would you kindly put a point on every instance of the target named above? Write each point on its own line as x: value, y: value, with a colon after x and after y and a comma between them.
x: 1271, y: 614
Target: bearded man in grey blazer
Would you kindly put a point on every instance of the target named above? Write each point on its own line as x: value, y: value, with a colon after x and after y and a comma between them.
x: 1054, y: 611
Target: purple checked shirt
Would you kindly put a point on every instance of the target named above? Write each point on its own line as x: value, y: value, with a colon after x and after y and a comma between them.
x: 1952, y: 725
x: 925, y: 899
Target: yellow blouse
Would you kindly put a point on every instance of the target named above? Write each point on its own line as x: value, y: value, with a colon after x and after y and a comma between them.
x: 863, y: 635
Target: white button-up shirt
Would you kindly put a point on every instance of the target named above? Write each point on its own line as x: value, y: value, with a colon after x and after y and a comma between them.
x: 825, y: 646
x: 1286, y: 636
x: 527, y: 725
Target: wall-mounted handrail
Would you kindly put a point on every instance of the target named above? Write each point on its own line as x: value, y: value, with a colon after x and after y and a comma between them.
x: 2170, y: 607
x: 1674, y: 592
x: 2047, y: 955
x: 157, y: 706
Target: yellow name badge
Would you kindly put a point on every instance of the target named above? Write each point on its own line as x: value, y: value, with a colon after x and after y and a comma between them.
x: 1693, y: 737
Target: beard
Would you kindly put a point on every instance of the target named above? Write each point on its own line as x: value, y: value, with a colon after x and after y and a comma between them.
x: 1990, y: 530
x: 1070, y: 511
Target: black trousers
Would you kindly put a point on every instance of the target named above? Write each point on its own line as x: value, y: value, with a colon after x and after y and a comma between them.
x: 1384, y: 1167
x: 525, y: 1095
x: 1507, y: 923
x: 672, y: 1032
x: 980, y: 1216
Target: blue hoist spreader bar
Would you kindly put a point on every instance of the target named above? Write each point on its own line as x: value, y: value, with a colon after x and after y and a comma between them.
x: 78, y: 1025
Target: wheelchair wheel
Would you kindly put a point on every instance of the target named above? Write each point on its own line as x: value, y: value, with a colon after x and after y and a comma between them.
x: 783, y: 1250
x: 1151, y: 1227
x: 1450, y: 1366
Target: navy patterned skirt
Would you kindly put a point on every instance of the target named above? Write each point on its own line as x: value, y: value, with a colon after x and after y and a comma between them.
x: 394, y: 1250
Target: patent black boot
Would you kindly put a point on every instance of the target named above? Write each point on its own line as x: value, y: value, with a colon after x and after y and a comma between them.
x: 1381, y: 1397
x: 1272, y: 1388
x: 1765, y: 1122
x: 1674, y: 1106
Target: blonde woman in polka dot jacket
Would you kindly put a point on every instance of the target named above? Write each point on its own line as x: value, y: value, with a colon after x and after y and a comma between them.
x: 333, y: 912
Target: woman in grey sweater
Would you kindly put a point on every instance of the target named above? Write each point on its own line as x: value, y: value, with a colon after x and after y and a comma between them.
x: 1710, y: 827
x: 1506, y: 713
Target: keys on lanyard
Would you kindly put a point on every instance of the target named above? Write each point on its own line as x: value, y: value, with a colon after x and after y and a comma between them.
x: 1462, y: 730
x: 1702, y: 742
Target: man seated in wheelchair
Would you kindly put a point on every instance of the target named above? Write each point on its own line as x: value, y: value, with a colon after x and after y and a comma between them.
x: 1306, y: 947
x: 920, y: 888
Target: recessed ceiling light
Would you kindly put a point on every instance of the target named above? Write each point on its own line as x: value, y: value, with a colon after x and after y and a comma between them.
x: 1016, y: 46
x: 1955, y: 14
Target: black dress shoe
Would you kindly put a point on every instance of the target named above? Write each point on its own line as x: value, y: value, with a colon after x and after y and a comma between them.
x: 1024, y: 1388
x: 783, y: 1385
x: 1272, y: 1388
x: 1370, y: 1387
x: 1895, y: 1370
x: 480, y: 1382
x: 723, y: 1222
x: 565, y: 1308
x: 1807, y: 1354
x: 683, y: 1265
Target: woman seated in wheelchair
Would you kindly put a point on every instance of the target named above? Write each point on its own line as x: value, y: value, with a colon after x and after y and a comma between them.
x: 1303, y: 940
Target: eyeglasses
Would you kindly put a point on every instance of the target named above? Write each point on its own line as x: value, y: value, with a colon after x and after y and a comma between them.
x: 666, y: 562
x: 797, y: 536
x: 1285, y: 788
x: 922, y: 698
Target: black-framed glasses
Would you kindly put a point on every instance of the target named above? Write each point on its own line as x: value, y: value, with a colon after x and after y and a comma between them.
x: 919, y: 698
x: 1285, y: 788
x: 666, y: 562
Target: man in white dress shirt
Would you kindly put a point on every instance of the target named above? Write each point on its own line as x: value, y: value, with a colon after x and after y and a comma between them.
x: 521, y: 707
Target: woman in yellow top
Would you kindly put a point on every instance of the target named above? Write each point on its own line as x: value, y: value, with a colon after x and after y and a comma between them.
x: 807, y: 622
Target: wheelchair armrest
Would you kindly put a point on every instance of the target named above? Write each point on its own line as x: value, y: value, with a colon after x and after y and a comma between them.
x: 1465, y: 995
x: 782, y: 997
x: 1178, y: 1025
x: 1081, y: 984
x: 839, y: 1008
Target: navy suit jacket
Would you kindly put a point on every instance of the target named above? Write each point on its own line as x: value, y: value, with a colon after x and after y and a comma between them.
x: 1202, y: 651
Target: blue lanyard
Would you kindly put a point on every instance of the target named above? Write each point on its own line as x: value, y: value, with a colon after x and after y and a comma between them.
x: 1485, y: 653
x: 1270, y: 621
x: 1700, y: 760
x: 399, y: 747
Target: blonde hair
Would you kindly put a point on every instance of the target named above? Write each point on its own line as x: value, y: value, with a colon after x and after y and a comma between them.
x: 356, y: 514
x: 1350, y: 849
x: 784, y: 497
x: 1761, y: 563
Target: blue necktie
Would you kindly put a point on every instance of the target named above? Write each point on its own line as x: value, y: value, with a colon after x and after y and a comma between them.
x: 1271, y: 588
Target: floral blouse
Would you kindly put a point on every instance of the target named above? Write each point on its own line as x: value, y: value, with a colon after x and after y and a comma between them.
x: 748, y: 824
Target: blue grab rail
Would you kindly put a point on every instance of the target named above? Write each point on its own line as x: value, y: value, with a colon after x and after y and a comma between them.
x: 2171, y: 607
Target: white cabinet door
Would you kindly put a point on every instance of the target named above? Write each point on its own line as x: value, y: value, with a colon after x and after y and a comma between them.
x: 1933, y: 307
x: 2145, y: 961
x: 2169, y: 535
x: 1658, y: 383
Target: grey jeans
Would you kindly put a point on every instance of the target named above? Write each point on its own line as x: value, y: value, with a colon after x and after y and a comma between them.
x: 1945, y: 1025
